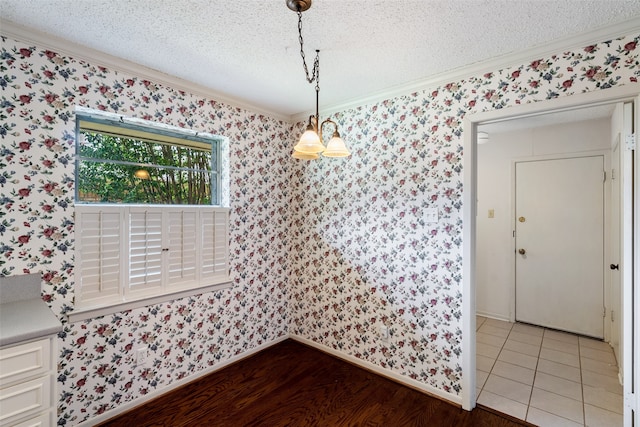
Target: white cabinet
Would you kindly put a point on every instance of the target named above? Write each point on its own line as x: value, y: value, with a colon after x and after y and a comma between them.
x: 27, y: 383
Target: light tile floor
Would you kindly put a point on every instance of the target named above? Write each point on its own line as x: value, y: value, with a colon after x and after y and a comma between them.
x: 546, y: 377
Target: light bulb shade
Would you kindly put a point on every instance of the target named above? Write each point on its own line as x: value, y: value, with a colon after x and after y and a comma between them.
x: 304, y: 156
x: 309, y: 142
x: 336, y: 147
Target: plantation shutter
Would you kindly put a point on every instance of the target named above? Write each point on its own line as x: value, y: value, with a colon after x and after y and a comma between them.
x: 99, y: 255
x: 183, y: 241
x: 145, y: 249
x: 215, y: 244
x: 135, y: 252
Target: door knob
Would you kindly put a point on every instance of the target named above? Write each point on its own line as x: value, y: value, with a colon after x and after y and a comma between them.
x: 522, y: 251
x: 613, y: 266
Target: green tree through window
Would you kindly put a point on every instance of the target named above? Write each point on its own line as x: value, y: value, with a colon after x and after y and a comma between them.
x: 122, y: 169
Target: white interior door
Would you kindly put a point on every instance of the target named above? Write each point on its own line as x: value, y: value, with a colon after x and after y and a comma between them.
x: 559, y: 244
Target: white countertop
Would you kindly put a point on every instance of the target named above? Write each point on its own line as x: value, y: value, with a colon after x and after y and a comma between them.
x: 26, y: 320
x: 23, y: 314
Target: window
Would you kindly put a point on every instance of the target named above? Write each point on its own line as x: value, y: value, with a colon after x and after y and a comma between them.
x: 147, y: 223
x: 126, y: 162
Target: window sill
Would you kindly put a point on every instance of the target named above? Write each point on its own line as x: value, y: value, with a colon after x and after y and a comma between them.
x: 85, y: 313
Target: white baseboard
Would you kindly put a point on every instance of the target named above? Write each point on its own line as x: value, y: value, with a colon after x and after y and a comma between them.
x: 178, y: 383
x: 402, y: 379
x: 492, y: 316
x: 409, y: 382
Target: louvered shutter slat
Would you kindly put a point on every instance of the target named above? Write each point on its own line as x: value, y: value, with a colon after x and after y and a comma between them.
x: 99, y: 256
x: 182, y: 262
x: 145, y: 250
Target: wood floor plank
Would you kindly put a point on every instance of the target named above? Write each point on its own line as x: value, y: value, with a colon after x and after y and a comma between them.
x: 291, y: 384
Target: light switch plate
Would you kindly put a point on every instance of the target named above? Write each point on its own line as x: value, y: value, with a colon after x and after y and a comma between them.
x: 431, y: 215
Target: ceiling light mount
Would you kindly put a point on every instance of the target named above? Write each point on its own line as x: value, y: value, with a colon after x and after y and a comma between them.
x: 299, y: 5
x: 311, y: 142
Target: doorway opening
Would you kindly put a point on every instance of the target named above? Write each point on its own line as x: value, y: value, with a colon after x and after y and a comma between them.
x: 473, y: 125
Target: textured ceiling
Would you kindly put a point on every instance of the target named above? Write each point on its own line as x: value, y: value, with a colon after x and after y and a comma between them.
x: 248, y: 49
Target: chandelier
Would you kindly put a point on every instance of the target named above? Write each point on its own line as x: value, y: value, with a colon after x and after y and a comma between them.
x: 311, y: 143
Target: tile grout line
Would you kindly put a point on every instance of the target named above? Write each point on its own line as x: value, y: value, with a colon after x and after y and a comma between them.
x: 494, y: 362
x: 584, y: 418
x: 584, y: 412
x: 579, y: 369
x: 497, y: 356
x: 495, y: 359
x: 535, y: 372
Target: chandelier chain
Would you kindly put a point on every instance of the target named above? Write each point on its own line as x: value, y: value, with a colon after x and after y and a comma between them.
x: 315, y: 75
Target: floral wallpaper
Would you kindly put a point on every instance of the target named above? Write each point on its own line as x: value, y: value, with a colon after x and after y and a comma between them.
x: 327, y: 250
x: 96, y: 364
x: 366, y: 258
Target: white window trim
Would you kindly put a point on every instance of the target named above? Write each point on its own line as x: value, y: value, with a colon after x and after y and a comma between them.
x: 125, y: 300
x: 93, y: 312
x: 132, y: 128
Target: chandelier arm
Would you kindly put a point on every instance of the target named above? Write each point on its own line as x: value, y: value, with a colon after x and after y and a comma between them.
x: 325, y: 121
x: 330, y: 121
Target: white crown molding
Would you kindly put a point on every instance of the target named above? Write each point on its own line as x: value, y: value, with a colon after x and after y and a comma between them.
x: 77, y: 51
x: 92, y: 56
x: 578, y: 41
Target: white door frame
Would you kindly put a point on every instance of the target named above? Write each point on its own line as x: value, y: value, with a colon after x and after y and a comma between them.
x: 470, y: 197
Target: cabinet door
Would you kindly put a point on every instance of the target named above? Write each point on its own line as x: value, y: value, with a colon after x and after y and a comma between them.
x: 24, y: 361
x: 24, y: 399
x: 42, y: 420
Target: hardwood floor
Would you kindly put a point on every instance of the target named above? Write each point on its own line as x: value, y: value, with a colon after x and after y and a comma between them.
x: 291, y: 384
